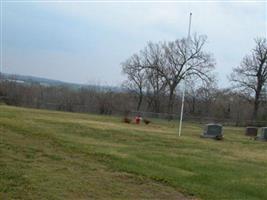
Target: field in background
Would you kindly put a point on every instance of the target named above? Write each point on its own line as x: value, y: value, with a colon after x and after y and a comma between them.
x: 57, y: 155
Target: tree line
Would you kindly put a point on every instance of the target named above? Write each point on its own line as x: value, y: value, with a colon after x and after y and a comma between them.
x: 159, y: 68
x: 154, y: 84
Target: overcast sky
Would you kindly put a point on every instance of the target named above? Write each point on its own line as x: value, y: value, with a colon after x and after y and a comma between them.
x: 86, y: 42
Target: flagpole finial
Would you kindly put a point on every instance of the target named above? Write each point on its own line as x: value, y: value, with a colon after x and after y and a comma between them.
x: 189, y: 26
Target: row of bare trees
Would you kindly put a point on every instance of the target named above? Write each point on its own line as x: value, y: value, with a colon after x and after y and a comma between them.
x: 158, y: 70
x: 202, y: 101
x: 160, y: 67
x: 63, y: 98
x: 154, y: 77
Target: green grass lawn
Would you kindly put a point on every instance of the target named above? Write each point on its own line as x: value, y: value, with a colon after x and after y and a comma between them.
x: 59, y: 155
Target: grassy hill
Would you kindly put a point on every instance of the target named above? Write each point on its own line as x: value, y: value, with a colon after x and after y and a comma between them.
x: 57, y: 155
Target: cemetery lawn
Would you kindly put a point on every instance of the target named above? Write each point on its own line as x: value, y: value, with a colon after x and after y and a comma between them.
x: 60, y: 155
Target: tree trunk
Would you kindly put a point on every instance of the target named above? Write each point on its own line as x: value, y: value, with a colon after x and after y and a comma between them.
x: 256, y: 107
x: 257, y: 100
x: 139, y: 102
x: 157, y: 105
x: 194, y: 105
x: 170, y: 102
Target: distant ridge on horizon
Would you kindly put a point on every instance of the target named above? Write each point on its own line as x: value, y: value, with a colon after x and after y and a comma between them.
x: 29, y: 79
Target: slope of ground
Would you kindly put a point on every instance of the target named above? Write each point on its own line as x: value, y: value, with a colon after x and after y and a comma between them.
x: 57, y: 155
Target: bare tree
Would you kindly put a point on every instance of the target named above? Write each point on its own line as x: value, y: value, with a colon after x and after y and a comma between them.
x: 198, y: 91
x: 136, y: 77
x: 155, y: 89
x: 175, y: 60
x: 207, y: 94
x: 251, y: 75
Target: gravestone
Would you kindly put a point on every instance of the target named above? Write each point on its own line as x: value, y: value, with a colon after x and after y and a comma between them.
x: 263, y: 134
x: 213, y: 131
x: 251, y: 131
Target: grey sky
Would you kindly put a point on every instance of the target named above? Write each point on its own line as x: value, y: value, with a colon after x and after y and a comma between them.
x: 86, y: 42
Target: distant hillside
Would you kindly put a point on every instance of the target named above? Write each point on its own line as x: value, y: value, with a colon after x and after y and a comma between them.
x: 29, y: 80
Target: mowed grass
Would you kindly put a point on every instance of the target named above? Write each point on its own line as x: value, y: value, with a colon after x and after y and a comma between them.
x: 59, y: 155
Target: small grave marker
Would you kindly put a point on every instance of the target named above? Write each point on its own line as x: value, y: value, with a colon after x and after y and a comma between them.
x: 263, y: 134
x: 251, y: 131
x: 213, y: 131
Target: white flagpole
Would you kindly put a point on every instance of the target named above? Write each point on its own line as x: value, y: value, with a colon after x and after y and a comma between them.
x: 183, y: 95
x: 1, y: 38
